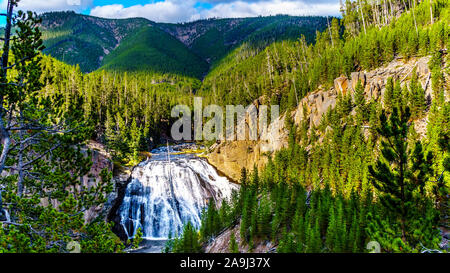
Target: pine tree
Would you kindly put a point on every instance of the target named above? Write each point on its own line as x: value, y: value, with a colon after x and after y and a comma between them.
x: 110, y: 131
x: 416, y: 96
x: 255, y: 178
x: 292, y: 99
x: 188, y: 242
x: 135, y: 139
x: 360, y: 102
x: 42, y: 154
x: 389, y: 95
x: 335, y: 32
x: 331, y: 231
x: 264, y: 217
x: 233, y: 244
x: 314, y: 239
x: 400, y: 175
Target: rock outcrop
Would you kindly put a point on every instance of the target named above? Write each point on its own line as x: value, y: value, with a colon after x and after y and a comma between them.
x: 101, y: 160
x: 231, y: 156
x: 221, y: 243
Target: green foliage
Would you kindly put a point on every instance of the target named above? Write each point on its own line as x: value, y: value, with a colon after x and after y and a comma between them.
x: 137, y: 44
x: 126, y: 109
x: 315, y: 196
x: 234, y: 248
x: 87, y: 37
x: 400, y: 175
x: 188, y: 242
x: 416, y: 97
x: 44, y: 191
x: 151, y: 49
x: 247, y: 74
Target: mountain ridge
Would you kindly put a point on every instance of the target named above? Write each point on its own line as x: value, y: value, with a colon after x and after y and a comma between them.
x: 87, y: 40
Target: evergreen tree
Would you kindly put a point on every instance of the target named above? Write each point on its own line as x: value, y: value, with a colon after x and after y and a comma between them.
x: 416, y: 96
x: 234, y: 248
x: 42, y: 153
x: 400, y: 176
x: 389, y: 95
x: 360, y: 102
x: 188, y: 242
x: 135, y: 139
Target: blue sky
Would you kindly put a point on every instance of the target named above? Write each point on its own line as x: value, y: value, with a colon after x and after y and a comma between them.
x: 174, y: 11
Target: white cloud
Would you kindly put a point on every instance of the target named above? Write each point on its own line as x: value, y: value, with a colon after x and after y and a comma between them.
x: 271, y: 7
x: 50, y: 5
x: 169, y: 11
x: 174, y: 11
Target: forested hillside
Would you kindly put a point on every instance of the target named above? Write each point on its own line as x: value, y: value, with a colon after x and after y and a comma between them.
x: 147, y: 72
x: 286, y: 71
x: 130, y: 112
x: 82, y: 40
x: 213, y: 39
x: 153, y: 50
x: 110, y: 44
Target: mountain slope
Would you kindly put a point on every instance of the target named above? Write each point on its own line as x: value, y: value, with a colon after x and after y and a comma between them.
x: 186, y: 48
x: 151, y: 49
x: 212, y: 39
x: 84, y: 40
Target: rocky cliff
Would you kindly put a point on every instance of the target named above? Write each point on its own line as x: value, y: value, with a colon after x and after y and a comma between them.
x: 231, y: 156
x: 221, y: 243
x: 101, y: 160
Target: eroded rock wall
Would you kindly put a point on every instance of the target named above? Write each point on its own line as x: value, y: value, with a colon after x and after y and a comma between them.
x: 231, y: 156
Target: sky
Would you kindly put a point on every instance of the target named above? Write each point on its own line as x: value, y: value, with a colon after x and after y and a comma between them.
x: 176, y: 11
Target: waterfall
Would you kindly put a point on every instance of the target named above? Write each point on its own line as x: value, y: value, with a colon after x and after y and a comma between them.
x: 164, y: 194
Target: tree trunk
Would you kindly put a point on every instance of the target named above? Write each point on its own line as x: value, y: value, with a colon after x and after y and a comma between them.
x: 329, y: 31
x: 431, y: 11
x: 20, y: 163
x: 6, y: 139
x: 5, y: 56
x: 414, y: 15
x: 362, y: 15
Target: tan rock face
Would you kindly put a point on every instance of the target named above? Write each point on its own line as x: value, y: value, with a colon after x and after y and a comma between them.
x: 316, y: 105
x: 356, y: 77
x: 231, y: 157
x: 341, y: 84
x: 101, y: 160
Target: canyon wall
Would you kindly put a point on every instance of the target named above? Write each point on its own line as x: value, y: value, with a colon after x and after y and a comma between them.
x: 231, y: 156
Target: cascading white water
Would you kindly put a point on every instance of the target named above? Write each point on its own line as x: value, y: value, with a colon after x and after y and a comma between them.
x: 164, y: 195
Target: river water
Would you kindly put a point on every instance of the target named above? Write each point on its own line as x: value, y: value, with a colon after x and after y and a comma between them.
x: 168, y: 191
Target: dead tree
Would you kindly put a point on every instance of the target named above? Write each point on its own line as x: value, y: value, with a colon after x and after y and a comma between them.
x: 362, y: 16
x: 431, y: 11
